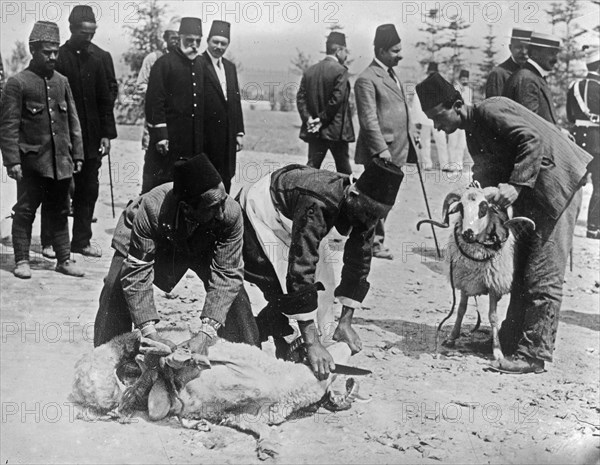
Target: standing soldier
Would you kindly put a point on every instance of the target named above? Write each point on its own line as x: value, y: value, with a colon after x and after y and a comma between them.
x: 153, y: 161
x: 528, y: 86
x: 583, y: 109
x: 175, y: 100
x: 223, y: 118
x: 518, y: 57
x: 41, y: 144
x: 323, y: 104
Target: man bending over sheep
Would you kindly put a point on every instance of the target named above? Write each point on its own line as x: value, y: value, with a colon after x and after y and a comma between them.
x: 538, y: 171
x: 189, y: 224
x: 287, y: 217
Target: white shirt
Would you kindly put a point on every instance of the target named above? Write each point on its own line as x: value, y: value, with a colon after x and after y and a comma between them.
x: 220, y: 70
x: 540, y: 70
x: 380, y: 63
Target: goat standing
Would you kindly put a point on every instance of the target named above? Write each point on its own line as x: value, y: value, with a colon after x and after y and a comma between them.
x: 480, y: 252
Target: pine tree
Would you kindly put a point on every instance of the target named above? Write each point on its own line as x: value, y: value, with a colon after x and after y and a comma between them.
x: 433, y: 28
x: 19, y: 59
x: 456, y: 45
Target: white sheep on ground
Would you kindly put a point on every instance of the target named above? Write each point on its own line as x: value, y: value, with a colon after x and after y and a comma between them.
x: 245, y: 387
x: 480, y: 252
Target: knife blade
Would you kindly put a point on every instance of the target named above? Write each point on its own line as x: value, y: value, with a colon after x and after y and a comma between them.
x: 349, y: 370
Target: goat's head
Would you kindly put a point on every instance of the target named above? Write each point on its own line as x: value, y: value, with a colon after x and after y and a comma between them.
x: 481, y: 220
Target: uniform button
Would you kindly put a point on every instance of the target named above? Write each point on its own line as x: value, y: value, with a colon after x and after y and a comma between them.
x: 194, y: 83
x: 195, y: 105
x: 193, y: 74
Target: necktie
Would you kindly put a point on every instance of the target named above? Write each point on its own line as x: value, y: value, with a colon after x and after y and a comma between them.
x: 219, y: 64
x: 391, y: 73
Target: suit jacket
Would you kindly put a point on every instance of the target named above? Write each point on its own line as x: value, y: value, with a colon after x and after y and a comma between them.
x: 109, y: 69
x: 325, y: 93
x: 531, y: 90
x: 383, y: 116
x: 160, y: 248
x: 175, y: 104
x: 39, y: 127
x: 494, y: 87
x: 510, y: 144
x: 223, y: 119
x: 89, y: 84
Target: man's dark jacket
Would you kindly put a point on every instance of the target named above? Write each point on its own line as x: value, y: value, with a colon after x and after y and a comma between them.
x: 109, y: 69
x: 494, y: 86
x: 223, y: 119
x: 89, y: 84
x: 325, y: 93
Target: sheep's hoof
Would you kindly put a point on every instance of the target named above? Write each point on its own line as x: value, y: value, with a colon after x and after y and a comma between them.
x: 451, y: 343
x: 267, y: 449
x: 198, y: 425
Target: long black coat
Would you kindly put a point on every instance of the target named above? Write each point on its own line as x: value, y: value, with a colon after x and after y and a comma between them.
x: 175, y: 104
x: 531, y: 90
x: 109, y: 69
x: 89, y: 84
x: 494, y: 87
x: 223, y: 119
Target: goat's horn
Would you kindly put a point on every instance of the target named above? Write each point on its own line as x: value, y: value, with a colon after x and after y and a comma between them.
x: 433, y: 222
x: 520, y: 219
x: 449, y: 200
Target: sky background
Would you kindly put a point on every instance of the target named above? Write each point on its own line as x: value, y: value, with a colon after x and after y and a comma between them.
x: 266, y: 34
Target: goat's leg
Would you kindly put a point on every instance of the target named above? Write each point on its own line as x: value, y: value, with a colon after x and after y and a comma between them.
x: 493, y: 316
x: 462, y: 308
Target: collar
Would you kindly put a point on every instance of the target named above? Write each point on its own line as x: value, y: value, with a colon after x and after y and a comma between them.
x: 380, y: 63
x: 514, y: 61
x: 214, y: 60
x: 74, y: 49
x: 538, y: 68
x: 469, y: 122
x: 39, y: 72
x: 593, y: 75
x: 331, y: 57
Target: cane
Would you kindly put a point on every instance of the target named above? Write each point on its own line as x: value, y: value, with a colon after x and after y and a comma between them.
x: 110, y: 181
x: 417, y: 144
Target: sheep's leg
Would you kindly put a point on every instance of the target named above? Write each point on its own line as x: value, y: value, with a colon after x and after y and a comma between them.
x: 462, y: 308
x: 493, y: 316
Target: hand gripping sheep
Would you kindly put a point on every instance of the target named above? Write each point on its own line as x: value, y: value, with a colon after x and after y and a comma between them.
x: 237, y: 385
x: 480, y: 252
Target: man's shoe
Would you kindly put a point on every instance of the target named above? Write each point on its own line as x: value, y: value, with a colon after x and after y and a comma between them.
x: 48, y: 252
x: 22, y: 269
x: 518, y: 365
x: 593, y: 233
x: 70, y: 268
x: 88, y: 251
x: 382, y: 252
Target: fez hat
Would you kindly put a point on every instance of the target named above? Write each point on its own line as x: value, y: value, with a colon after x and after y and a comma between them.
x: 381, y: 181
x: 193, y: 177
x: 463, y: 73
x: 432, y: 67
x: 44, y: 31
x: 521, y: 35
x: 191, y: 26
x: 220, y: 28
x: 544, y: 40
x: 386, y: 36
x: 435, y: 90
x: 336, y: 38
x: 82, y: 14
x: 174, y: 24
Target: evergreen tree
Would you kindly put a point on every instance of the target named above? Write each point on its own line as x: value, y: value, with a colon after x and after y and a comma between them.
x: 433, y: 28
x: 19, y: 59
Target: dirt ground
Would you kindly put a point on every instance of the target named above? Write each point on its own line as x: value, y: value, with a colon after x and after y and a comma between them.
x: 426, y: 406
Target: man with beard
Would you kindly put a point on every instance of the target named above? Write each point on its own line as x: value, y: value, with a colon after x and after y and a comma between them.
x: 518, y: 57
x: 153, y: 161
x: 539, y: 172
x: 41, y: 144
x: 89, y: 83
x: 175, y: 101
x: 223, y: 118
x: 383, y: 115
x: 528, y: 86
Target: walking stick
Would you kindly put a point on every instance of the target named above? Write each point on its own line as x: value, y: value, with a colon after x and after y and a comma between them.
x: 112, y: 195
x: 417, y: 144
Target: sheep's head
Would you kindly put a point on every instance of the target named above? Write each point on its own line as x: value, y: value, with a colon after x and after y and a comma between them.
x: 481, y: 220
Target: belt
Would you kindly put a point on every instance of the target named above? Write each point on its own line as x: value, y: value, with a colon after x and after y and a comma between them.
x: 586, y: 123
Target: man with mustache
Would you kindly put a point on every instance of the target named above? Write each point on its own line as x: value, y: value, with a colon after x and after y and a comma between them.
x: 518, y: 57
x: 40, y: 138
x: 175, y: 100
x: 383, y: 115
x: 528, y: 86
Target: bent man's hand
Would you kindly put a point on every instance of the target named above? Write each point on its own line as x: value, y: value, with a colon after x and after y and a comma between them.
x: 163, y: 146
x: 78, y: 167
x: 321, y: 361
x: 385, y: 155
x: 200, y: 343
x: 345, y: 333
x: 507, y: 194
x: 15, y: 172
x: 156, y: 337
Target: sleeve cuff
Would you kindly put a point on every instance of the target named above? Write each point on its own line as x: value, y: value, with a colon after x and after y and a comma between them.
x: 348, y: 302
x: 356, y: 291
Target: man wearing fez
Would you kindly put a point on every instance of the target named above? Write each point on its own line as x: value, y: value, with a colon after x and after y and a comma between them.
x: 153, y: 161
x: 189, y: 224
x: 519, y: 41
x: 528, y: 85
x: 288, y: 216
x: 175, y: 101
x: 223, y: 118
x: 323, y: 104
x: 84, y: 68
x: 539, y: 172
x: 583, y: 110
x: 383, y: 115
x: 40, y: 139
